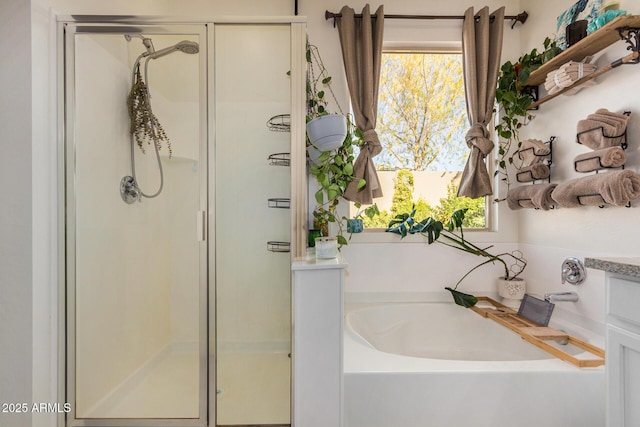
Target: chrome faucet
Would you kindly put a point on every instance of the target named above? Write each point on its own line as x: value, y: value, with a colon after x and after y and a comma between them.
x: 561, y: 296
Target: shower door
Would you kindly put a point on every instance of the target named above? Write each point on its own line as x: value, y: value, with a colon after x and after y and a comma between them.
x: 136, y: 272
x: 253, y: 223
x: 178, y: 307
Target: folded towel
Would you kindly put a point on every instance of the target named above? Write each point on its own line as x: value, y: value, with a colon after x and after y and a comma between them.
x: 619, y: 116
x: 533, y: 172
x: 612, y: 157
x: 533, y: 151
x: 596, y: 134
x: 615, y: 188
x: 622, y: 118
x: 617, y: 124
x: 531, y: 196
x: 567, y: 75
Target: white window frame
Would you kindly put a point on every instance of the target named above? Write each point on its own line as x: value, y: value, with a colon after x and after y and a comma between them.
x: 487, y: 233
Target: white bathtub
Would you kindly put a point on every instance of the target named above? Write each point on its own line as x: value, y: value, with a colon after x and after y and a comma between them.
x: 438, y: 364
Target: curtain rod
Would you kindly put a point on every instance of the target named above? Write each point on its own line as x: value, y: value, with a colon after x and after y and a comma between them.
x: 521, y: 17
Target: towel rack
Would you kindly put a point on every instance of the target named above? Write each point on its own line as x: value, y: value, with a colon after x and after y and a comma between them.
x: 545, y: 158
x: 600, y: 165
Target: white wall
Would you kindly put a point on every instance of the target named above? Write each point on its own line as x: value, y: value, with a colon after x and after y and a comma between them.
x: 16, y: 244
x: 548, y: 237
x: 375, y: 255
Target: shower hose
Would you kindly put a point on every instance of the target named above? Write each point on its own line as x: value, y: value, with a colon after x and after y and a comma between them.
x: 155, y: 139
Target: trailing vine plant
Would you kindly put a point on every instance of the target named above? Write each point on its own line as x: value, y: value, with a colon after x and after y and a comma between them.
x: 334, y: 169
x: 145, y: 126
x: 512, y: 103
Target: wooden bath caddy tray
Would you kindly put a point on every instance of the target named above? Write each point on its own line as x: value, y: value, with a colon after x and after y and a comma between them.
x: 539, y: 335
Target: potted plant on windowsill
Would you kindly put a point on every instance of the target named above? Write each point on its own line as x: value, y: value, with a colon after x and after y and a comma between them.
x: 452, y: 234
x: 355, y: 224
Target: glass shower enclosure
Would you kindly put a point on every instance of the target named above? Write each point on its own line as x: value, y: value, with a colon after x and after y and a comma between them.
x: 178, y: 308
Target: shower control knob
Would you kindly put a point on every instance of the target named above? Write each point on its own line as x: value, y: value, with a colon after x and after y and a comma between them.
x: 573, y: 271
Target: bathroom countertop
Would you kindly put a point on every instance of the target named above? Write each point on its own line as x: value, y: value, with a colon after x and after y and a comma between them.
x: 625, y: 266
x: 312, y: 263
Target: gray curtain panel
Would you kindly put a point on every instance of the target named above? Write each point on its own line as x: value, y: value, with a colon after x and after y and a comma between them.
x: 361, y: 41
x: 481, y: 48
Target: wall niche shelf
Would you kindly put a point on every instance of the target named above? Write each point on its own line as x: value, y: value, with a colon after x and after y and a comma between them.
x: 622, y: 28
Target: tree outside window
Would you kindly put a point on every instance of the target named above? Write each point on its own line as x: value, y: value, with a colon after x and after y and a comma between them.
x: 421, y: 125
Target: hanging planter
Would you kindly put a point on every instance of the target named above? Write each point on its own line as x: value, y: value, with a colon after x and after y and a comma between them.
x: 314, y: 155
x: 328, y: 132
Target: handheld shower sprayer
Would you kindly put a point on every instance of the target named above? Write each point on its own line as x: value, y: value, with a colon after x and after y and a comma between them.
x: 129, y: 188
x: 185, y: 46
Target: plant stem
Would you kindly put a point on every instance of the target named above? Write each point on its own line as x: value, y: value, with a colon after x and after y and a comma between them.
x: 469, y: 272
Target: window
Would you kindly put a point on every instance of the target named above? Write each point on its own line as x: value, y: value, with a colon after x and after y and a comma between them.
x: 421, y: 124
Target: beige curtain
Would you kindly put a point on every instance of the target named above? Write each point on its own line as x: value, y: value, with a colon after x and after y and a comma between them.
x: 361, y: 41
x: 481, y: 48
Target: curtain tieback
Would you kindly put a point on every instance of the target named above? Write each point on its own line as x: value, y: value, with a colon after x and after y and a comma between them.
x: 372, y: 142
x: 478, y: 136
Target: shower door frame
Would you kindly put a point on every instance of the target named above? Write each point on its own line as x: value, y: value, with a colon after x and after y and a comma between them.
x: 67, y: 29
x: 66, y: 199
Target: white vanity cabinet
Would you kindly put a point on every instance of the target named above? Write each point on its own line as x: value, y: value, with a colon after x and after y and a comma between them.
x: 318, y: 301
x: 623, y: 351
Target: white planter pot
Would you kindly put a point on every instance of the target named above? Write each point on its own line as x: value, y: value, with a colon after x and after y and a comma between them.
x: 512, y: 291
x: 328, y: 132
x: 314, y: 155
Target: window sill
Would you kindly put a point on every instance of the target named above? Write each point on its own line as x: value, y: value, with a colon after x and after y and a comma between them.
x: 379, y: 235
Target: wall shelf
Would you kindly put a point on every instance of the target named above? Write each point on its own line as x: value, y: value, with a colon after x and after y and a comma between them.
x: 275, y: 246
x: 622, y: 28
x: 279, y: 203
x: 280, y: 159
x: 280, y: 123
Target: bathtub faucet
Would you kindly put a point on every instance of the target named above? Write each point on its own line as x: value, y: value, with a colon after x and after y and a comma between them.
x: 561, y: 296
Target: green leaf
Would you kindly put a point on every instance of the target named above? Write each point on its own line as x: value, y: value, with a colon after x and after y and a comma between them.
x: 308, y: 55
x: 348, y: 169
x: 361, y: 183
x: 341, y: 240
x: 460, y: 298
x: 326, y: 80
x: 321, y: 94
x: 457, y: 217
x: 332, y: 193
x: 320, y: 197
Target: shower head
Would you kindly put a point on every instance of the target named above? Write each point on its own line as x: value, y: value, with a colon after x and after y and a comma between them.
x: 185, y: 46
